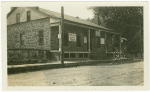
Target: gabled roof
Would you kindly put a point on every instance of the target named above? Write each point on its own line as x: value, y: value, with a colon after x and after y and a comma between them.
x: 58, y: 15
x: 70, y: 18
x: 11, y: 11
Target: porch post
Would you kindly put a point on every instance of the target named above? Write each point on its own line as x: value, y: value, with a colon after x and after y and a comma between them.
x: 105, y: 43
x: 89, y: 43
x: 89, y: 40
x: 59, y: 38
x: 120, y: 46
x: 113, y: 45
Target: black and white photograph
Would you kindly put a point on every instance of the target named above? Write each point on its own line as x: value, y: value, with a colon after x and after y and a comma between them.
x: 90, y: 44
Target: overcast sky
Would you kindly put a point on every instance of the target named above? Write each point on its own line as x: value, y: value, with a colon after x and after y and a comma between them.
x: 80, y: 11
x: 75, y: 10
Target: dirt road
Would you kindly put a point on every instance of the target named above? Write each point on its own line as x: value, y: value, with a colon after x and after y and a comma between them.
x: 129, y: 74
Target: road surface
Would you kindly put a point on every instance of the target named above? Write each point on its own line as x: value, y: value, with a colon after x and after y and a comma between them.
x: 128, y: 74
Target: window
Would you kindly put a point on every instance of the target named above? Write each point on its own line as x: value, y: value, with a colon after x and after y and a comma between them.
x: 98, y: 42
x: 41, y: 37
x: 17, y: 17
x: 72, y: 55
x: 21, y: 40
x: 78, y: 41
x: 66, y: 39
x: 80, y: 55
x: 41, y: 54
x: 102, y: 34
x: 85, y: 55
x: 28, y: 15
x: 66, y: 55
x: 103, y: 39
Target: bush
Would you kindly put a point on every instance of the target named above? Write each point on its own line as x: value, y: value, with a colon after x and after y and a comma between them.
x: 42, y: 61
x: 12, y: 62
x: 20, y: 61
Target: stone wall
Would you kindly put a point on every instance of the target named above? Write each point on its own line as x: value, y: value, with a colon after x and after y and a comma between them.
x: 26, y: 54
x: 30, y: 34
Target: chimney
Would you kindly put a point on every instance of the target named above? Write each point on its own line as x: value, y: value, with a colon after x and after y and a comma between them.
x: 97, y: 20
x: 36, y: 7
x: 32, y: 7
x: 13, y: 8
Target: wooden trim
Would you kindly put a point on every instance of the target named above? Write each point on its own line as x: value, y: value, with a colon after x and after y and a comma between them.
x: 26, y: 49
x: 59, y: 38
x: 69, y: 55
x: 54, y: 51
x: 49, y: 50
x: 83, y: 55
x: 75, y: 52
x: 90, y: 27
x: 54, y: 24
x: 79, y: 57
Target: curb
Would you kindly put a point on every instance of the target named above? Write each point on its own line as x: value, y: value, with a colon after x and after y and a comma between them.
x: 14, y: 70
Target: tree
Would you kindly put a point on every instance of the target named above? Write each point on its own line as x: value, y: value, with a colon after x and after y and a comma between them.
x: 126, y: 20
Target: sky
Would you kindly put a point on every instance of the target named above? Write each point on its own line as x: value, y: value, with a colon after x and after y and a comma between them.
x: 80, y: 11
x: 75, y: 11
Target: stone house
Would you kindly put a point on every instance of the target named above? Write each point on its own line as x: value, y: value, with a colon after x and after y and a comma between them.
x: 32, y: 32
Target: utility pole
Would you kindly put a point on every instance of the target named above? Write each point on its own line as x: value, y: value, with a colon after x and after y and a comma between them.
x: 62, y: 35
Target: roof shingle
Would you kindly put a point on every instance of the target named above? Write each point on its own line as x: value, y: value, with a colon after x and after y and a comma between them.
x: 70, y: 18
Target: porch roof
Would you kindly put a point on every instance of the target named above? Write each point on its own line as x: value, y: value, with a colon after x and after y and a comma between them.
x: 70, y: 18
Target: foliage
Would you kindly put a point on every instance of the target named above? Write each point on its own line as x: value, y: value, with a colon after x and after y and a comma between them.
x: 125, y: 20
x: 128, y: 16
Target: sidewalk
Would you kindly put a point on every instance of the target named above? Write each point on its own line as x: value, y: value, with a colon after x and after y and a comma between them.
x: 57, y: 64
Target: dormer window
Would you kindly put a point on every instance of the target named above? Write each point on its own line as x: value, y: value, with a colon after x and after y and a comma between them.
x: 28, y: 15
x: 17, y: 17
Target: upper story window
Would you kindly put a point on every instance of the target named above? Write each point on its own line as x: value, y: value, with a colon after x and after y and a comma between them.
x: 17, y: 17
x: 28, y: 15
x: 41, y: 38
